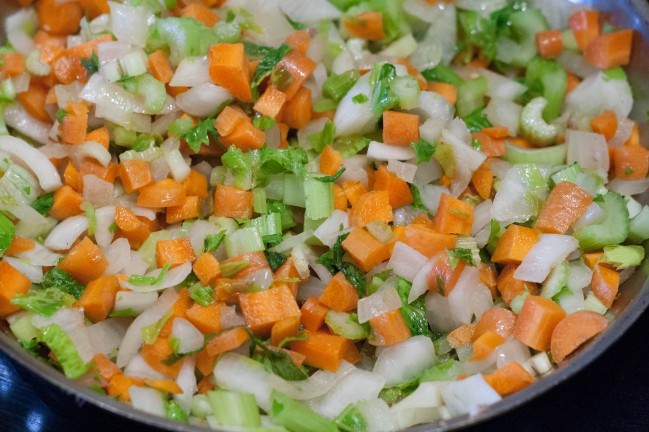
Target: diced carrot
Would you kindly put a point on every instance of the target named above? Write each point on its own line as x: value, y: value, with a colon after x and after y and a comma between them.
x: 189, y: 209
x: 159, y: 66
x: 605, y: 284
x: 67, y: 66
x: 498, y: 320
x: 232, y: 202
x: 161, y: 194
x: 443, y: 277
x: 549, y: 43
x: 370, y: 207
x: 313, y: 314
x: 353, y: 190
x: 88, y: 166
x: 205, y: 363
x: 155, y: 355
x: 330, y: 160
x: 206, y: 384
x: 98, y: 298
x: 365, y: 250
x: 610, y: 49
x: 271, y: 102
x: 400, y: 129
x: 119, y: 385
x: 200, y: 13
x: 67, y: 202
x: 591, y: 259
x: 296, y: 357
x: 397, y: 189
x: 484, y: 344
x: 85, y: 262
x: 510, y: 287
x: 283, y: 329
x: 164, y: 385
x: 13, y: 63
x: 425, y: 240
x: 605, y: 124
x: 74, y: 125
x: 630, y: 162
x: 256, y: 261
x: 229, y: 119
x: 72, y: 177
x: 573, y: 82
x: 299, y: 40
x: 483, y: 180
x: 245, y: 137
x: 488, y: 277
x: 94, y: 8
x: 496, y: 132
x: 19, y: 245
x: 536, y: 321
x: 226, y: 341
x: 490, y: 146
x: 520, y: 142
x: 296, y: 67
x: 340, y: 200
x: 228, y: 68
x: 196, y: 184
x: 366, y: 25
x: 105, y: 368
x: 205, y: 318
x: 263, y: 309
x: 514, y: 244
x: 174, y: 252
x: 585, y: 25
x: 461, y: 336
x: 297, y: 111
x: 634, y: 139
x: 323, y: 350
x: 573, y: 331
x: 453, y: 216
x: 33, y: 100
x: 389, y: 328
x: 284, y: 273
x: 449, y: 91
x: 12, y: 282
x: 131, y: 227
x: 509, y: 379
x: 339, y: 294
x: 135, y: 174
x: 207, y: 268
x: 565, y: 205
x: 100, y: 136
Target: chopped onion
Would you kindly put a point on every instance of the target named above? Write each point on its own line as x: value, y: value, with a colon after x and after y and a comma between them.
x: 239, y: 373
x: 191, y: 72
x: 481, y: 216
x: 311, y: 287
x: 106, y: 335
x: 118, y: 255
x: 622, y: 133
x: 16, y: 117
x: 32, y: 272
x: 39, y: 255
x: 16, y: 26
x: 162, y: 123
x: 592, y: 215
x: 139, y: 368
x: 318, y: 384
x: 406, y: 261
x: 511, y: 351
x: 438, y: 313
x: 405, y: 171
x: 133, y: 338
x: 38, y: 163
x: 159, y: 169
x: 629, y: 187
x: 272, y: 28
x: 72, y: 321
x: 418, y: 407
x: 179, y: 168
x: 467, y: 161
x: 430, y: 196
x: 189, y: 338
x: 66, y: 93
x: 510, y: 203
x: 335, y: 225
x: 377, y: 415
x: 93, y: 150
x: 186, y: 380
x: 104, y: 217
x: 499, y: 167
x: 469, y: 395
x: 589, y: 150
x: 431, y: 129
x: 401, y: 362
x: 575, y: 63
x: 405, y: 215
x: 290, y: 242
x: 147, y: 400
x: 173, y: 277
x: 261, y: 278
x: 197, y: 233
x: 500, y: 86
x: 96, y: 191
x: 63, y: 236
x: 596, y: 94
x: 355, y: 386
x: 138, y: 302
x: 400, y: 48
x: 504, y: 113
x: 470, y: 298
x: 420, y: 281
x: 547, y: 253
x: 230, y: 318
x: 386, y: 152
x: 355, y: 169
x: 317, y: 10
x: 203, y: 100
x: 385, y: 300
x: 137, y: 265
x: 113, y: 50
x: 353, y: 118
x: 129, y: 23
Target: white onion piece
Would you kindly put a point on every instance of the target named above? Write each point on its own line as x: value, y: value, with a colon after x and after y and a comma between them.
x: 191, y: 72
x: 355, y: 169
x: 438, y: 313
x: 190, y: 339
x: 118, y: 255
x: 377, y: 415
x: 386, y: 152
x: 261, y: 278
x: 332, y: 227
x: 418, y: 407
x: 21, y: 82
x: 137, y: 265
x: 72, y: 321
x: 428, y: 172
x: 144, y: 212
x: 504, y: 113
x: 114, y: 50
x: 500, y: 86
x: 592, y: 215
x: 93, y: 150
x: 230, y: 318
x: 63, y: 236
x: 511, y: 350
x: 318, y: 384
x: 20, y: 120
x: 575, y: 62
x: 469, y: 395
x: 173, y: 277
x: 138, y: 302
x: 589, y: 150
x: 55, y: 150
x: 434, y: 107
x: 403, y: 361
x: 180, y: 169
x: 96, y: 191
x: 406, y: 261
x: 499, y: 167
x: 405, y: 215
x: 510, y: 203
x: 147, y: 400
x: 405, y: 171
x: 272, y: 27
x: 481, y: 216
x: 353, y: 118
x: 547, y: 253
x: 139, y: 368
x: 43, y: 169
x: 317, y: 11
x: 311, y: 287
x: 40, y: 256
x: 159, y: 169
x: 467, y: 161
x: 239, y: 373
x: 104, y: 217
x: 357, y: 385
x: 596, y: 94
x: 470, y: 298
x: 162, y: 123
x: 301, y: 260
x: 129, y: 24
x: 16, y: 25
x: 290, y: 242
x: 197, y: 233
x: 32, y: 272
x: 321, y: 271
x: 431, y: 195
x: 66, y: 93
x: 106, y: 335
x: 385, y: 300
x: 622, y: 133
x: 420, y: 281
x: 203, y: 100
x: 186, y: 380
x: 629, y: 187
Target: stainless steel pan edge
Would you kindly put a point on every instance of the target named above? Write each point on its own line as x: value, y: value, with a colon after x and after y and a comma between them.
x: 632, y: 302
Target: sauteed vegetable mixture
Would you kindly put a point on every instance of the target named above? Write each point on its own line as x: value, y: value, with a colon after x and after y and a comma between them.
x: 292, y: 215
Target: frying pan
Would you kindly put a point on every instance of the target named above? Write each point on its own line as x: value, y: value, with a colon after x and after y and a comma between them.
x: 631, y: 303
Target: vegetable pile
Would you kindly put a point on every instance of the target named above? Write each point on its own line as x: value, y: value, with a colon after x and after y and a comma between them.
x: 343, y: 215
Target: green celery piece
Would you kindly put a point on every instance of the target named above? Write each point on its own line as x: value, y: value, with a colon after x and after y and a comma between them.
x: 63, y: 348
x: 185, y: 37
x: 234, y: 408
x: 639, y: 227
x: 243, y: 241
x: 622, y: 257
x: 7, y: 233
x: 556, y: 281
x: 524, y: 26
x: 613, y: 230
x: 319, y: 198
x: 534, y: 127
x: 442, y: 73
x: 446, y: 370
x: 346, y: 325
x: 546, y: 78
x: 568, y: 174
x: 296, y: 416
x: 351, y: 420
x: 173, y: 411
x: 336, y: 87
x: 471, y: 96
x: 554, y: 155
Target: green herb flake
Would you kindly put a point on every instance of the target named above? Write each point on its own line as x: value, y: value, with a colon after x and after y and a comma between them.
x: 424, y: 150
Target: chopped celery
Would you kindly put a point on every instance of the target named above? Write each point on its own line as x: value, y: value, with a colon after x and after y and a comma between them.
x: 336, y: 87
x: 568, y: 174
x: 350, y: 145
x: 446, y: 370
x: 351, y: 420
x: 557, y: 280
x: 7, y: 233
x: 639, y: 227
x: 320, y: 140
x: 406, y: 89
x: 521, y: 47
x: 59, y: 342
x: 622, y: 257
x: 546, y: 78
x: 593, y: 304
x: 243, y: 241
x: 319, y: 198
x: 288, y: 221
x: 569, y: 41
x: 382, y: 97
x: 296, y: 416
x: 477, y: 120
x: 185, y: 37
x: 21, y: 326
x: 235, y: 409
x: 173, y: 411
x: 269, y: 226
x: 259, y: 204
x: 294, y: 189
x: 612, y: 230
x: 554, y: 155
x: 442, y: 73
x: 534, y: 127
x: 201, y: 406
x: 471, y: 96
x: 346, y: 325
